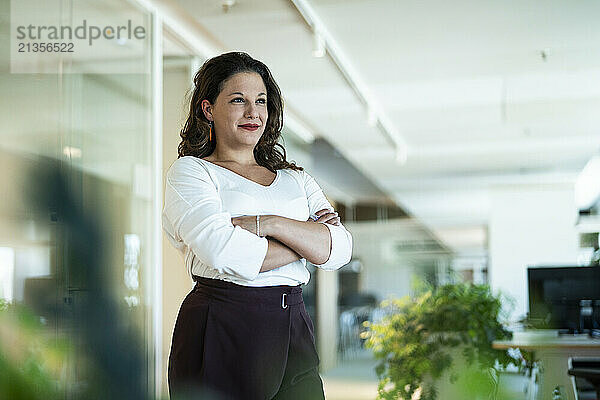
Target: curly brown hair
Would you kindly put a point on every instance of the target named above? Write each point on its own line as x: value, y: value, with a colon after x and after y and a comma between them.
x: 209, y: 81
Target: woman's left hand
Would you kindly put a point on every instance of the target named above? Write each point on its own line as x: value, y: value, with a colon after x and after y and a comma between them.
x: 327, y: 216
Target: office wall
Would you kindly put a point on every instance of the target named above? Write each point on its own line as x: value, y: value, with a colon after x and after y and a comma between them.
x: 529, y: 225
x: 387, y: 272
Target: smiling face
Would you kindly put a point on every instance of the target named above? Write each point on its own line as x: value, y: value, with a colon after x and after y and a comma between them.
x: 240, y: 110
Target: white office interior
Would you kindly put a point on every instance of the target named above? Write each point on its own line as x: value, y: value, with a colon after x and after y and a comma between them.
x: 459, y: 140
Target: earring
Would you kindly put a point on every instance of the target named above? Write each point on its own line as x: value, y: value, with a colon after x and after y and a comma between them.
x: 210, y: 125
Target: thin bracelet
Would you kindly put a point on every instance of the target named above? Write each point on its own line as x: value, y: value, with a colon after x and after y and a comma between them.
x: 258, y: 225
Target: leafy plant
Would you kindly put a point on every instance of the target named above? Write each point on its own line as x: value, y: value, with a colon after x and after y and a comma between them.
x: 30, y: 363
x: 415, y: 340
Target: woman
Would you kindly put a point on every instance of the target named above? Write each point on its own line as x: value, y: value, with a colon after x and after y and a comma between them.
x: 246, y: 221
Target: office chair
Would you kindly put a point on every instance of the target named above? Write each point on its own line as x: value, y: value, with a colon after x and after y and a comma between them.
x: 585, y: 375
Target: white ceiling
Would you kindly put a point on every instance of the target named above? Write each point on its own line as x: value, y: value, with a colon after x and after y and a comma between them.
x: 484, y: 93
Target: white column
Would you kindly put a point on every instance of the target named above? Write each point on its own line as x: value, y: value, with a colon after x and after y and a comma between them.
x: 327, y: 318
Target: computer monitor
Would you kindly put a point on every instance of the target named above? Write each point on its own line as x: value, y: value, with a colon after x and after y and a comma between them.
x: 555, y: 294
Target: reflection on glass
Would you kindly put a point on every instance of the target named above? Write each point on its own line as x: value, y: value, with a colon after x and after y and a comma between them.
x: 93, y: 131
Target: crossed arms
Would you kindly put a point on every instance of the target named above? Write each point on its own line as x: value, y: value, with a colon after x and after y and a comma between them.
x: 290, y: 239
x: 194, y: 218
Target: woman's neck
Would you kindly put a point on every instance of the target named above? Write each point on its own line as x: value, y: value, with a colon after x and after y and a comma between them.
x: 238, y: 157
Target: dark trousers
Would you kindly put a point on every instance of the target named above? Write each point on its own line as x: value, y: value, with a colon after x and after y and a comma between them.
x: 233, y: 342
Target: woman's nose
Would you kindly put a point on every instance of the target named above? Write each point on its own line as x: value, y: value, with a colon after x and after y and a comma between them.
x: 251, y: 111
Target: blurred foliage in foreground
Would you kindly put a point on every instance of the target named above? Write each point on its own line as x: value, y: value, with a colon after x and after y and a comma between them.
x: 92, y: 353
x: 31, y: 362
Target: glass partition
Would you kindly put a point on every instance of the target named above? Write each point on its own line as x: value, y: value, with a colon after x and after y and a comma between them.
x: 77, y: 228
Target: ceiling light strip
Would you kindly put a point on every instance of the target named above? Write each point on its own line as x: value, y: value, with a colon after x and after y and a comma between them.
x: 296, y: 126
x: 194, y: 38
x: 353, y: 78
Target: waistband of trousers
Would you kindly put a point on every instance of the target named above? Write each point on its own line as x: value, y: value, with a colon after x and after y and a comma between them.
x: 264, y: 296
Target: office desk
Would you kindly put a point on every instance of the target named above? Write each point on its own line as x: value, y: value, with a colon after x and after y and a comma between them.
x: 552, y: 353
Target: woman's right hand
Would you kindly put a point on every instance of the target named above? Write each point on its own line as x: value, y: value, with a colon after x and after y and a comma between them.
x: 327, y: 216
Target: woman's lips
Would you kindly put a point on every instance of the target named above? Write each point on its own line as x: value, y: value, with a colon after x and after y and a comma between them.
x: 249, y: 127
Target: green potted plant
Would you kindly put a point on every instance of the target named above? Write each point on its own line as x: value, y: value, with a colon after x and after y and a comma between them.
x: 442, y: 334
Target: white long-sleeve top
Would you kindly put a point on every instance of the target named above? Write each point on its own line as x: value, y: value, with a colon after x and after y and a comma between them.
x: 201, y: 198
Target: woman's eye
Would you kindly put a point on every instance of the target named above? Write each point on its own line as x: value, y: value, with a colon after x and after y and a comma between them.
x: 240, y: 100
